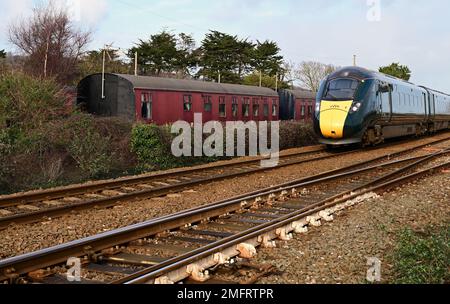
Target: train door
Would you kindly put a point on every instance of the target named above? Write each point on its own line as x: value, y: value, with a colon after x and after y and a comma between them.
x: 384, y: 100
x: 188, y: 111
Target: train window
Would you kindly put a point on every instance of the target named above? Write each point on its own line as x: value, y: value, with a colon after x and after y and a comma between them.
x: 341, y: 89
x: 146, y: 106
x: 303, y: 111
x: 234, y: 107
x: 274, y: 108
x: 266, y: 110
x: 246, y: 107
x: 222, y: 107
x: 207, y: 104
x: 256, y: 110
x: 309, y: 110
x: 187, y: 103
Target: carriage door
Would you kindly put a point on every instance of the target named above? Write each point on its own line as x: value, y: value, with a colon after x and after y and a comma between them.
x: 385, y: 100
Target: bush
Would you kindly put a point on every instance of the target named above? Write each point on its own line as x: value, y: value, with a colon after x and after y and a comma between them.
x: 296, y: 134
x: 423, y: 258
x: 152, y: 146
x: 27, y: 102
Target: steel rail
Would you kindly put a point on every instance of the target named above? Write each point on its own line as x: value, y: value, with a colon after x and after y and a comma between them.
x: 35, y: 216
x: 52, y: 256
x: 150, y: 274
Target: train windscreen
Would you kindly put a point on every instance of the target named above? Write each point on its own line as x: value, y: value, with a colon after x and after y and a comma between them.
x: 341, y: 89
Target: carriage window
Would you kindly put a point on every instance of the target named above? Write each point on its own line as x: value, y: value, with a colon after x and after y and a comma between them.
x: 222, y: 107
x: 146, y: 106
x: 303, y: 111
x: 187, y: 103
x: 309, y: 110
x: 234, y: 107
x: 207, y: 103
x: 255, y: 108
x: 274, y: 108
x: 246, y: 107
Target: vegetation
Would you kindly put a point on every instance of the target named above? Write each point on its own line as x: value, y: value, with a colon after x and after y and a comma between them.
x: 2, y: 54
x: 397, y: 70
x: 423, y: 258
x: 51, y: 43
x: 311, y: 73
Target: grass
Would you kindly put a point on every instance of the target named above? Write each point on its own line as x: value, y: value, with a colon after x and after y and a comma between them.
x: 423, y: 258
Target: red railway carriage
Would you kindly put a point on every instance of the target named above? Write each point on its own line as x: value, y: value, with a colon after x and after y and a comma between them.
x: 297, y: 105
x: 164, y: 100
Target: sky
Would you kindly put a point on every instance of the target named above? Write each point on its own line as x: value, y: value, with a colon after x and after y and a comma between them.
x: 413, y: 32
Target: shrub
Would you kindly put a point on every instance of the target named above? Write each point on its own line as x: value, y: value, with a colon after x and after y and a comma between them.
x: 423, y: 258
x: 151, y: 144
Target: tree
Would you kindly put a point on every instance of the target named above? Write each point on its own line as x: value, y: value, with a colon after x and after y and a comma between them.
x: 397, y: 70
x: 222, y: 54
x: 311, y: 73
x: 165, y: 53
x: 50, y: 41
x: 2, y: 54
x: 92, y: 62
x: 266, y: 58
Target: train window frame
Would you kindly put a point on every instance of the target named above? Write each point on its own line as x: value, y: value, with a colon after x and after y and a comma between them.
x: 255, y: 110
x: 207, y: 103
x: 222, y: 107
x: 246, y: 107
x: 235, y: 107
x: 147, y: 104
x: 187, y: 101
x: 274, y: 108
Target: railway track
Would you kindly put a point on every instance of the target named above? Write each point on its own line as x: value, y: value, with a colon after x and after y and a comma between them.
x: 43, y: 205
x: 187, y: 244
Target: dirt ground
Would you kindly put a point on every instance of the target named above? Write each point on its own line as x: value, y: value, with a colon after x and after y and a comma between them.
x: 337, y: 252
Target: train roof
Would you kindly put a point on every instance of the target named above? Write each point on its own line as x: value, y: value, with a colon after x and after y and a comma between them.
x: 360, y: 73
x: 170, y: 84
x: 302, y: 94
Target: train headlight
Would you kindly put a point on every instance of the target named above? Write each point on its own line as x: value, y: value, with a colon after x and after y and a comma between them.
x: 318, y: 107
x: 356, y: 107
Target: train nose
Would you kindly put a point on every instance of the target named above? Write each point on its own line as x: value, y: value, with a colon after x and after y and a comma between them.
x: 333, y: 115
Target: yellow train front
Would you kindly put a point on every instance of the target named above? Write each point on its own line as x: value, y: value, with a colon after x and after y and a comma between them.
x: 358, y: 106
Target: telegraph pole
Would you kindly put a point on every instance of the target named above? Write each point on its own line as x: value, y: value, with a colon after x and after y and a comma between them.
x: 136, y: 63
x: 354, y: 60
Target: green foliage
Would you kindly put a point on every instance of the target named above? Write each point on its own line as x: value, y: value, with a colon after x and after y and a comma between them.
x: 266, y: 58
x: 151, y: 144
x: 294, y: 134
x: 266, y: 81
x: 423, y: 258
x: 27, y: 102
x: 92, y: 62
x: 397, y: 70
x: 88, y: 147
x: 165, y: 53
x: 2, y: 54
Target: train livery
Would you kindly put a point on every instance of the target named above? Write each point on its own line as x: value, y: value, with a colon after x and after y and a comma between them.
x: 165, y: 100
x: 358, y: 106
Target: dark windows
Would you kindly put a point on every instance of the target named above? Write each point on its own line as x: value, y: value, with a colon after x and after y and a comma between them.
x: 146, y: 106
x: 187, y: 103
x: 246, y: 107
x: 341, y: 89
x: 310, y: 110
x: 274, y: 107
x: 235, y: 107
x: 207, y: 103
x: 255, y: 107
x: 303, y: 111
x: 222, y: 107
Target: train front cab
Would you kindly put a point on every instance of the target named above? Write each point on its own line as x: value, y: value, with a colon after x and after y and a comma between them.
x: 344, y: 108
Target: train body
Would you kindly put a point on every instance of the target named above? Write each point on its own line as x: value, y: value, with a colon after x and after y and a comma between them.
x: 355, y: 105
x: 297, y: 105
x: 164, y: 100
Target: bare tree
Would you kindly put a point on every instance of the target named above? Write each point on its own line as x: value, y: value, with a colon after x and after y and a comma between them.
x: 311, y: 73
x: 50, y: 42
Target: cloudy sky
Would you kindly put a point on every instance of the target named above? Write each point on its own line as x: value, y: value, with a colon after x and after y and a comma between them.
x: 412, y: 32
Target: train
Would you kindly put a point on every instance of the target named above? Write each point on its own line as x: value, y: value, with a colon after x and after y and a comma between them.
x: 358, y: 106
x: 163, y: 101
